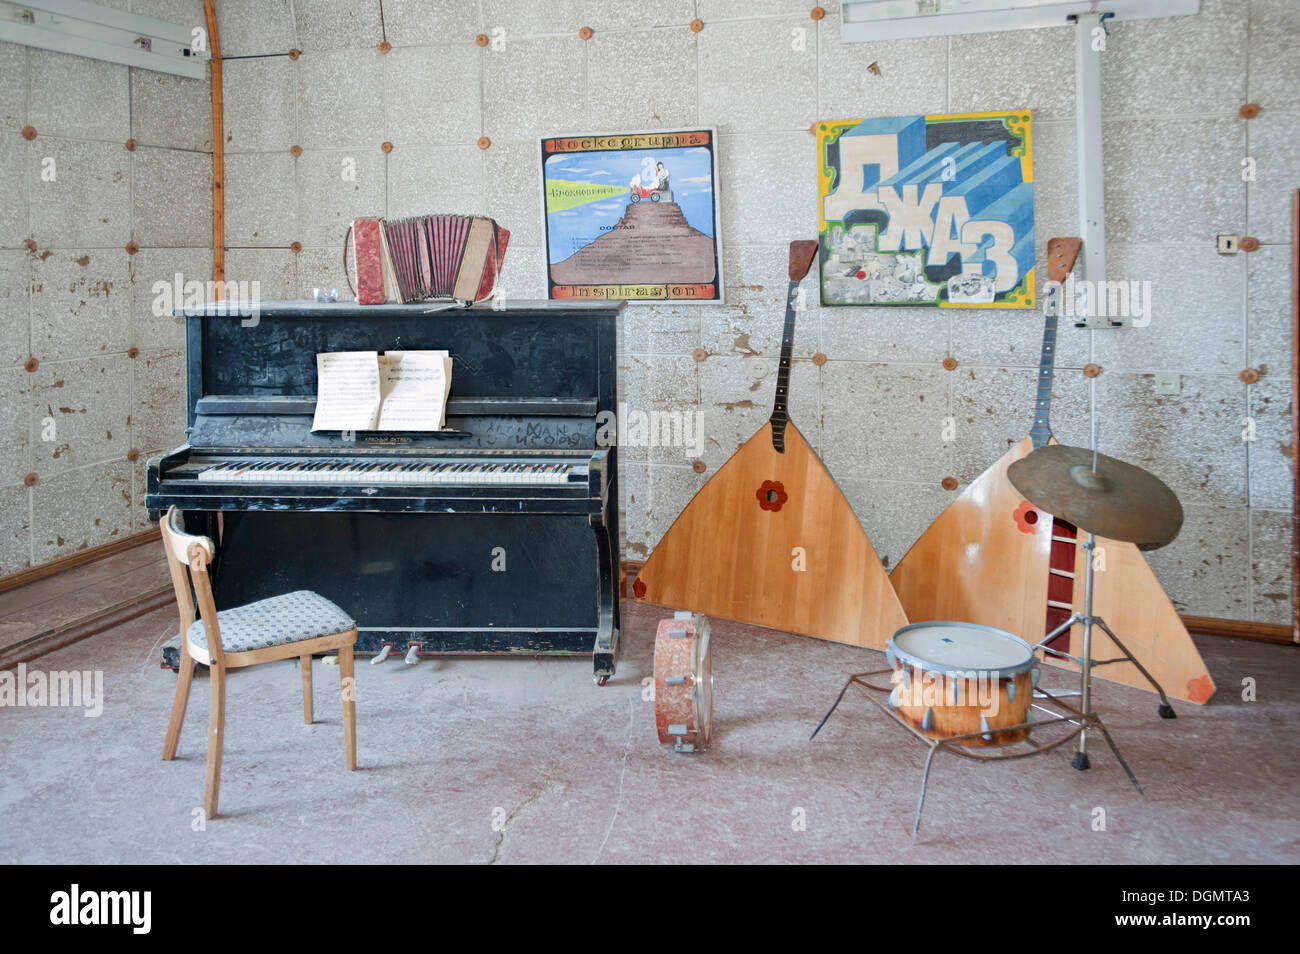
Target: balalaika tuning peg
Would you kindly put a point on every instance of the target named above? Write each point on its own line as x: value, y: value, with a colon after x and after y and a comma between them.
x: 413, y: 654
x: 383, y: 654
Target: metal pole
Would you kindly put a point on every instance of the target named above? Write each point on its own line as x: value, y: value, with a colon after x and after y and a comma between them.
x: 1085, y: 693
x: 1092, y: 418
x: 1088, y: 134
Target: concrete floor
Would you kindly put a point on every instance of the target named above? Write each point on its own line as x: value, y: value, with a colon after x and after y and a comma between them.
x: 573, y: 773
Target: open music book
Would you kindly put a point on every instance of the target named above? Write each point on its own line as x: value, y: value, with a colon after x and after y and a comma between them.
x: 393, y: 391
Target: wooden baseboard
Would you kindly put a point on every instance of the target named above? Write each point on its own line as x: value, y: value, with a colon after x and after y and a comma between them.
x: 88, y: 626
x: 79, y: 558
x: 1239, y: 629
x: 1200, y: 625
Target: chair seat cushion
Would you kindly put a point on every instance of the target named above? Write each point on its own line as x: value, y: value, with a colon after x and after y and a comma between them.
x: 274, y: 622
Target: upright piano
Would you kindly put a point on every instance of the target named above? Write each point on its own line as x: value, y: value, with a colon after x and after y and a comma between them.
x: 496, y: 535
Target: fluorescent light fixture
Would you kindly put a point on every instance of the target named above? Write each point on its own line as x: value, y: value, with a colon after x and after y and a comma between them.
x: 102, y: 33
x: 864, y: 21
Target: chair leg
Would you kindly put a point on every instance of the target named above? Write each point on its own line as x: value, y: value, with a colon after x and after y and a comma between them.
x: 304, y: 664
x: 183, y: 680
x: 216, y: 734
x: 348, y: 686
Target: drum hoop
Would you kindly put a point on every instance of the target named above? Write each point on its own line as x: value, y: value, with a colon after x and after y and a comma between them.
x: 927, y: 665
x: 703, y: 708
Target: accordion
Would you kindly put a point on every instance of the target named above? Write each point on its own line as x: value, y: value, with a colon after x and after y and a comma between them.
x: 428, y: 256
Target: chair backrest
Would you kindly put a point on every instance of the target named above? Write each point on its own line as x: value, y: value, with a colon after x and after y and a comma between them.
x: 193, y: 552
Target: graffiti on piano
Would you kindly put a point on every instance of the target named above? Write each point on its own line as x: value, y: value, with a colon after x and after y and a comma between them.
x: 928, y: 210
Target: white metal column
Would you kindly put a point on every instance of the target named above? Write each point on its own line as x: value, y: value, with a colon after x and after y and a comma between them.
x: 1089, y: 151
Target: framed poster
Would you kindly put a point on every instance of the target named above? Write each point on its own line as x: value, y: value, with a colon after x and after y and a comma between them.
x: 633, y: 216
x: 928, y: 210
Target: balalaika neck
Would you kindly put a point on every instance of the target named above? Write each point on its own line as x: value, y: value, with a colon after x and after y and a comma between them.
x: 780, y: 409
x: 1041, y: 432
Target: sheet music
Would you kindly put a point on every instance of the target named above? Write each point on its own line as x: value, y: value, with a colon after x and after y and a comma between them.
x: 369, y: 391
x: 347, y: 391
x: 414, y: 386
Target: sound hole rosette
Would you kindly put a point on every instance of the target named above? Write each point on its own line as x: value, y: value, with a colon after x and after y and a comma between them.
x: 683, y: 682
x: 953, y: 678
x: 771, y: 495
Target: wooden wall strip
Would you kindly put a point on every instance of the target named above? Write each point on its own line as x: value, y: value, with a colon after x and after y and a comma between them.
x: 86, y: 627
x: 218, y: 154
x: 1295, y: 416
x: 79, y: 558
x: 1237, y: 629
x: 1199, y: 625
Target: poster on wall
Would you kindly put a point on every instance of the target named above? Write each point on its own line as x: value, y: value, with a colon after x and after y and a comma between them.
x: 928, y: 210
x: 633, y: 216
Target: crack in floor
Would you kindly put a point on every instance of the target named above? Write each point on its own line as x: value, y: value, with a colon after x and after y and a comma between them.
x: 618, y: 803
x: 501, y: 835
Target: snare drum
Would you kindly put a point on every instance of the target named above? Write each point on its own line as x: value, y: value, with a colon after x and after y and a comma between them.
x: 684, y: 682
x: 962, y: 678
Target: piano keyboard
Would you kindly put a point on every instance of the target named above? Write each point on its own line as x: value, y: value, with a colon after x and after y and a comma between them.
x: 415, y: 472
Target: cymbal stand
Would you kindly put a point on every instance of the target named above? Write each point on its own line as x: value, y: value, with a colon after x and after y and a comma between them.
x: 1088, y: 620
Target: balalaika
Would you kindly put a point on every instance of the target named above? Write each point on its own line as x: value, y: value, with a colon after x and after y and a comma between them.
x: 498, y: 534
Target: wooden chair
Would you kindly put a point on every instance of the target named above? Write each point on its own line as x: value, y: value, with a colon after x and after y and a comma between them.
x: 296, y: 624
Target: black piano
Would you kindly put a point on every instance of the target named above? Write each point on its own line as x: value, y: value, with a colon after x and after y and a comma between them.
x: 496, y: 535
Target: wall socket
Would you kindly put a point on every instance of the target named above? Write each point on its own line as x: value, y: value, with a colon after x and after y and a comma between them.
x: 1168, y: 382
x: 1228, y: 244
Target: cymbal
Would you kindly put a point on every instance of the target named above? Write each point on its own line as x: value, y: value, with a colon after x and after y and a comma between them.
x: 1120, y: 501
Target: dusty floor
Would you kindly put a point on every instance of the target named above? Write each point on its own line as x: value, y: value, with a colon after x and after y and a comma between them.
x: 520, y: 760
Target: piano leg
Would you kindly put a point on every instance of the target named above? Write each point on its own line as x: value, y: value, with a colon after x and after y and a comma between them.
x: 606, y: 649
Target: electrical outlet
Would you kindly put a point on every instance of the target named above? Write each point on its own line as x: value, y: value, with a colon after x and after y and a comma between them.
x: 1228, y: 244
x: 1168, y: 382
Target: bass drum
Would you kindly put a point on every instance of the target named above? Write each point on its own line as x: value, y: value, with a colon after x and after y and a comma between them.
x: 684, y: 682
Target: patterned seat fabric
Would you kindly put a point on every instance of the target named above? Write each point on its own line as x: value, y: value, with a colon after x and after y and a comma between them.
x: 274, y: 622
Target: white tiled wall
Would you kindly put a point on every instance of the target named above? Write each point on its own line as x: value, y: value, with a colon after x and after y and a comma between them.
x: 80, y: 301
x: 760, y: 71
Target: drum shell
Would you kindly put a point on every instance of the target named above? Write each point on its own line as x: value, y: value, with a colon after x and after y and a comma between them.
x: 948, y: 719
x: 675, y: 704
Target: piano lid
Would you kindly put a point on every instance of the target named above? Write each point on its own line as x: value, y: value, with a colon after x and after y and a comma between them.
x: 553, y: 359
x: 282, y: 309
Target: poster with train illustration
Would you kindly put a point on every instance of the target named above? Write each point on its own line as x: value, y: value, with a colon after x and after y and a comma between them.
x: 633, y: 216
x: 927, y: 211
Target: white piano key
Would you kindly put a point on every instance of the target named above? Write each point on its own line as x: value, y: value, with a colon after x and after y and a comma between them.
x: 472, y: 472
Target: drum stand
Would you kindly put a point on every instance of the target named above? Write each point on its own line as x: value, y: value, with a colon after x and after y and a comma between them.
x: 1064, y: 714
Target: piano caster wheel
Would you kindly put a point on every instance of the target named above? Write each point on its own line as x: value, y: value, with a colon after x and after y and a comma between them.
x: 1167, y: 712
x: 600, y: 680
x: 413, y: 654
x: 383, y: 654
